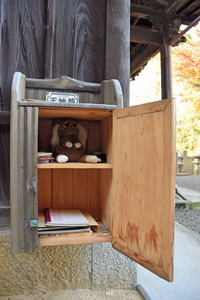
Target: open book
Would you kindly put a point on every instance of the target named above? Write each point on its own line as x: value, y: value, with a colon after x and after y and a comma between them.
x: 65, y: 217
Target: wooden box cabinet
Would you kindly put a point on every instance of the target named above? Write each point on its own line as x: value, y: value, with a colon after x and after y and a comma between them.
x: 132, y: 194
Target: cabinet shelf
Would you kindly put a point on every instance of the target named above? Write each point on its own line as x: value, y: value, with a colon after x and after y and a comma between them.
x: 61, y: 239
x: 75, y: 166
x: 96, y: 237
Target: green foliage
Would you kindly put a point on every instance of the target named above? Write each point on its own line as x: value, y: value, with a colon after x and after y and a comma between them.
x: 188, y: 130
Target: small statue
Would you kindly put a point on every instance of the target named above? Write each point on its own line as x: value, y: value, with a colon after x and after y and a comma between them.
x: 69, y: 143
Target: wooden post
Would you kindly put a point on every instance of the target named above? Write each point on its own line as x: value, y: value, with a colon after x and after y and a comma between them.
x: 117, y: 56
x: 166, y: 70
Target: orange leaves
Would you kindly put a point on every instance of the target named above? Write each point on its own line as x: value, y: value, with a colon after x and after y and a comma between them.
x: 186, y: 68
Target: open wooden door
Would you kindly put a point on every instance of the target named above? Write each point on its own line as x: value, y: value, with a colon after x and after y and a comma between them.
x: 23, y: 170
x: 144, y: 182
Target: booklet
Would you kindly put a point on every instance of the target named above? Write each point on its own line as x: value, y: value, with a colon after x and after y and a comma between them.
x: 65, y: 217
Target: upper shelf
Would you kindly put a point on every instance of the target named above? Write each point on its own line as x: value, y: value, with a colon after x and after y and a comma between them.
x: 78, y: 113
x: 45, y: 104
x: 75, y: 165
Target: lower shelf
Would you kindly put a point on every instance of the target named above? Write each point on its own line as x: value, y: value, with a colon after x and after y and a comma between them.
x: 75, y: 165
x: 96, y: 237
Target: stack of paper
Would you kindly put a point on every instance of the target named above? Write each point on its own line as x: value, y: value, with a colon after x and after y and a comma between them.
x: 65, y: 217
x: 44, y: 157
x: 66, y: 221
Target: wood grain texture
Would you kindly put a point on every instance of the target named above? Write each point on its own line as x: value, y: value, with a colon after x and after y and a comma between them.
x: 106, y: 197
x: 80, y: 189
x: 76, y: 113
x: 44, y: 189
x: 72, y: 188
x: 62, y: 188
x: 62, y: 240
x: 17, y: 166
x: 93, y: 193
x: 66, y: 38
x: 4, y: 118
x: 117, y: 63
x: 144, y: 187
x: 63, y: 82
x: 106, y: 138
x: 148, y: 108
x: 45, y: 127
x: 75, y: 36
x: 5, y: 218
x: 5, y: 165
x: 23, y: 171
x: 29, y: 184
x: 145, y: 36
x: 75, y: 166
x: 169, y: 187
x: 94, y: 137
x: 22, y: 42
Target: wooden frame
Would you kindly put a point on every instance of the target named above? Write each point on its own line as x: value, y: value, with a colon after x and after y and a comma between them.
x: 143, y: 219
x: 122, y: 193
x: 24, y: 135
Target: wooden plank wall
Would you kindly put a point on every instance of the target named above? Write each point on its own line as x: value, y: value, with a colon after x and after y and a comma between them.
x: 22, y: 41
x: 49, y: 38
x: 4, y: 165
x: 75, y: 39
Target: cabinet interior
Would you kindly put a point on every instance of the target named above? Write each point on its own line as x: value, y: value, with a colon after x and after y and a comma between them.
x: 85, y: 186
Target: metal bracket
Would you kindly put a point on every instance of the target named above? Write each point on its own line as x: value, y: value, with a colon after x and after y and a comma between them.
x: 33, y: 223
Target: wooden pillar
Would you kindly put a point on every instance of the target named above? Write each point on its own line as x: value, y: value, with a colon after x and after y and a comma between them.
x: 117, y: 46
x: 166, y: 70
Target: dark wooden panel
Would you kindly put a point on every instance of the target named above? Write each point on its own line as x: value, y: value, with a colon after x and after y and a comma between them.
x: 22, y: 41
x: 75, y: 39
x: 4, y: 165
x: 117, y: 64
x: 5, y: 117
x: 5, y: 218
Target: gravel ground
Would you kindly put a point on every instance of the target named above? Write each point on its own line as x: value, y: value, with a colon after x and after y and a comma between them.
x: 190, y: 182
x: 189, y: 218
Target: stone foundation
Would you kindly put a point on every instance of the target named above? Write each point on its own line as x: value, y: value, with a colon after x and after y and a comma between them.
x: 93, y: 266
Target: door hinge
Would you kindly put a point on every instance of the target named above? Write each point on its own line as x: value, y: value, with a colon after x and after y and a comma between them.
x: 33, y: 223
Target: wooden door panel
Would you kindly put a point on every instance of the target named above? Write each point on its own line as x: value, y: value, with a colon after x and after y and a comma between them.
x: 144, y: 175
x: 23, y: 171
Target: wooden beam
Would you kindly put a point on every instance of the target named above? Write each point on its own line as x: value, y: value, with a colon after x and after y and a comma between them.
x: 186, y: 6
x: 166, y: 70
x: 145, y: 36
x: 186, y: 20
x: 149, y: 52
x: 145, y: 12
x: 195, y: 11
x: 175, y: 5
x: 194, y: 23
x: 136, y: 20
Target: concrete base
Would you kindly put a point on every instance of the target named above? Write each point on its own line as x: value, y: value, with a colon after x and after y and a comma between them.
x: 81, y: 295
x: 186, y: 270
x: 93, y: 266
x: 191, y: 198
